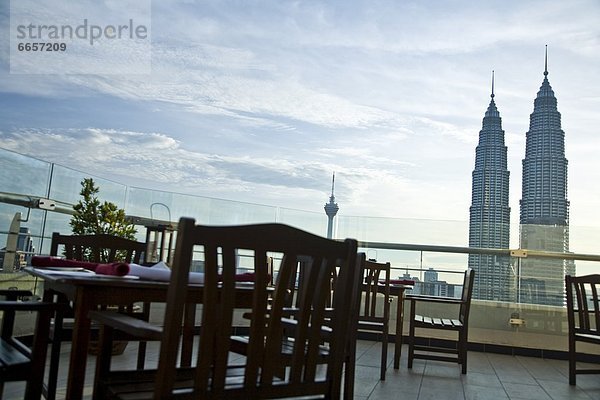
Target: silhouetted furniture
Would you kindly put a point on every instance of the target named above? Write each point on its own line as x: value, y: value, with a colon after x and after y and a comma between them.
x: 89, y: 292
x: 18, y: 361
x: 374, y: 313
x: 583, y: 314
x: 294, y: 281
x: 102, y: 248
x: 459, y: 325
x: 319, y: 330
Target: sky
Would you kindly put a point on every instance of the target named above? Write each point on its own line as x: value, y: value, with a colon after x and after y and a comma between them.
x: 261, y: 101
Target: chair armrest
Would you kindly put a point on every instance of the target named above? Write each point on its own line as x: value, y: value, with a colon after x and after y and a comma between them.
x: 433, y: 299
x: 12, y: 294
x: 287, y: 312
x: 26, y: 306
x: 128, y: 324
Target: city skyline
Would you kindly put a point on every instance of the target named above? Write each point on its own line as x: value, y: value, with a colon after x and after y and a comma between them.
x: 261, y: 105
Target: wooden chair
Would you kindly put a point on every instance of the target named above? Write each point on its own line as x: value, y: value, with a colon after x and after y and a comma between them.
x: 374, y: 313
x: 256, y: 375
x: 583, y: 315
x: 291, y: 285
x: 19, y: 362
x: 102, y: 248
x: 459, y: 325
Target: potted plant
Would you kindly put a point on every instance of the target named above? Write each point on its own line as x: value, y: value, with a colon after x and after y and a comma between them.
x: 94, y: 217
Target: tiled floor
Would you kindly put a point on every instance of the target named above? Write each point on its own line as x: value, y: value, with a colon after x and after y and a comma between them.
x: 490, y: 376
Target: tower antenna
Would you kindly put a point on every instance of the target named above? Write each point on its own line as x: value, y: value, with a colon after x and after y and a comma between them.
x: 332, y: 184
x: 546, y: 62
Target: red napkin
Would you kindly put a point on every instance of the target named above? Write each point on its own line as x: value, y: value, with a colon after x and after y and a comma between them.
x: 245, y: 277
x: 41, y: 261
x: 116, y: 268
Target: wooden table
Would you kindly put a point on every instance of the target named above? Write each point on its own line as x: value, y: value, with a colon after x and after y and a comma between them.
x: 87, y: 293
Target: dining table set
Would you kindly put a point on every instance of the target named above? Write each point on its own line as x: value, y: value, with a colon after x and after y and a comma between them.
x: 89, y: 286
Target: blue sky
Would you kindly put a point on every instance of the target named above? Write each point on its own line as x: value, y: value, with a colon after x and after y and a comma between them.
x: 261, y: 101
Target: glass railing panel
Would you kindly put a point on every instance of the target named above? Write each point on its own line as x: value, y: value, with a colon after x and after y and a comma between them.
x: 66, y: 185
x: 23, y: 176
x: 403, y: 230
x: 309, y: 221
x: 160, y: 205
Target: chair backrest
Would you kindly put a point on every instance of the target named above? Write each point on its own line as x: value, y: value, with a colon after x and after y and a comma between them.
x: 467, y: 292
x: 583, y: 308
x: 102, y: 248
x: 376, y: 283
x: 313, y: 326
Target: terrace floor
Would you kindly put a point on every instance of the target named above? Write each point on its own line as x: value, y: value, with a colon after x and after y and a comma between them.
x: 490, y: 376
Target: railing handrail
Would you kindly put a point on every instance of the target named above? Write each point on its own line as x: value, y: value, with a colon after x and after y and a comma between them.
x: 518, y: 253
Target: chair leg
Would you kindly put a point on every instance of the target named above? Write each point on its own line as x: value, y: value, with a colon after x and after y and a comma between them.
x: 572, y: 363
x: 411, y: 344
x: 103, y: 362
x: 142, y: 346
x: 33, y: 388
x: 411, y: 333
x: 56, y: 342
x: 141, y: 357
x: 384, y: 351
x: 54, y: 359
x: 349, y: 372
x: 462, y: 350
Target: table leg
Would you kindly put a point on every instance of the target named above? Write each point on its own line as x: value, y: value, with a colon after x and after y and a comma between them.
x: 399, y: 324
x: 79, y: 347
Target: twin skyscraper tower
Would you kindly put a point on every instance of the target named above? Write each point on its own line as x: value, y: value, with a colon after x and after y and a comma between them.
x: 544, y: 208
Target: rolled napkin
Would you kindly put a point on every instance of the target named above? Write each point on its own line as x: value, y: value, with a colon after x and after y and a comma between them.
x: 116, y: 268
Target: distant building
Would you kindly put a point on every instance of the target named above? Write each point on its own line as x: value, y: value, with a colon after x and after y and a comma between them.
x: 431, y: 286
x: 544, y: 214
x: 489, y: 214
x: 25, y: 249
x: 430, y: 275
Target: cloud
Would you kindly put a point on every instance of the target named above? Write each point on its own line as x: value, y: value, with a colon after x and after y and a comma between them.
x: 262, y: 103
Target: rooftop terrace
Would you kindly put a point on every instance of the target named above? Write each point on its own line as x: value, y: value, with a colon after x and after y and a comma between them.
x: 490, y: 376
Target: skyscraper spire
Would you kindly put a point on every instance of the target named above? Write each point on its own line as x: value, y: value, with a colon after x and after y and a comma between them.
x: 546, y: 62
x: 331, y: 209
x: 492, y: 111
